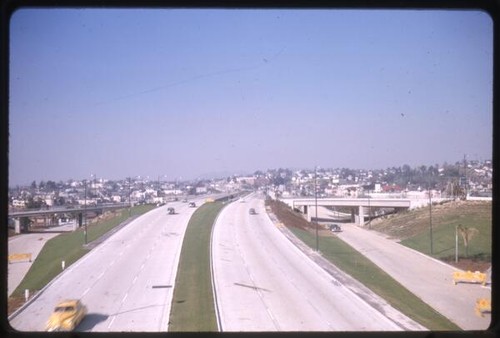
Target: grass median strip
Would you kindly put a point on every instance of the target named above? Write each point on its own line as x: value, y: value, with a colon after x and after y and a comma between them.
x: 68, y: 247
x: 361, y: 268
x: 193, y: 303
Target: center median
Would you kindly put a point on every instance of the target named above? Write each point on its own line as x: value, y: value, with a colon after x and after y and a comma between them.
x: 193, y: 307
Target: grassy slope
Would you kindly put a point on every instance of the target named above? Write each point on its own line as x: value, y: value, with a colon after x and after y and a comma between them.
x: 413, y: 227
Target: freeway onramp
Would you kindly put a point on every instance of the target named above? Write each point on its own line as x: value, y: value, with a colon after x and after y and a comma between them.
x: 429, y: 279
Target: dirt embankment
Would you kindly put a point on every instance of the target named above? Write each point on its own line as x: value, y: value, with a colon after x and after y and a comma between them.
x: 288, y: 217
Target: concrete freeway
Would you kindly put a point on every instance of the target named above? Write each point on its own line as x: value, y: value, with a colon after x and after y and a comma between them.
x: 263, y: 282
x: 126, y: 282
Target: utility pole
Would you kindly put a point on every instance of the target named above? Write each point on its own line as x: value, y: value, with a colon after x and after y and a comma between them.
x: 465, y: 174
x: 316, y: 204
x: 85, y: 211
x: 129, y: 202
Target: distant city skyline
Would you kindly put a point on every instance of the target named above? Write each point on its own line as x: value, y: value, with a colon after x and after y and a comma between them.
x: 185, y: 93
x: 221, y: 175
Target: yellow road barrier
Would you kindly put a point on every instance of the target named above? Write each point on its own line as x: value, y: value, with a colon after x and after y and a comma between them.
x: 483, y: 305
x: 469, y: 277
x: 209, y: 200
x: 19, y: 257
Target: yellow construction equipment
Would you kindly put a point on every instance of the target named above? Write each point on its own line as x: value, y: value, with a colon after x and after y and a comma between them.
x: 483, y: 305
x: 469, y: 277
x: 19, y: 257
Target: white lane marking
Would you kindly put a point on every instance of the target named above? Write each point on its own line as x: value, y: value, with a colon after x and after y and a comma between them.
x: 86, y: 291
x: 111, y: 322
x: 259, y: 291
x: 135, y: 279
x: 124, y: 297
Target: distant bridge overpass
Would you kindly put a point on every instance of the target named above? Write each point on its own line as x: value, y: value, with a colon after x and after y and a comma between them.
x: 78, y: 210
x: 357, y: 204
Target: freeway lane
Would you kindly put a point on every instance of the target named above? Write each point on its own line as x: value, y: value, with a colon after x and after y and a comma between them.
x: 126, y: 282
x: 264, y: 283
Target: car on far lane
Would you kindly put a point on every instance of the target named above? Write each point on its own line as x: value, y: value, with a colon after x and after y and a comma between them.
x: 335, y: 228
x: 192, y: 205
x: 66, y: 316
x: 171, y: 211
x: 252, y: 211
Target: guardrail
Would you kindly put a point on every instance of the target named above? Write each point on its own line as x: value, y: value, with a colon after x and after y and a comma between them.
x: 469, y: 277
x: 19, y: 257
x: 483, y: 305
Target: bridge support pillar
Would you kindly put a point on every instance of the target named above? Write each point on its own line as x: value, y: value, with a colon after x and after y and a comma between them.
x: 361, y: 216
x: 17, y: 225
x: 307, y: 211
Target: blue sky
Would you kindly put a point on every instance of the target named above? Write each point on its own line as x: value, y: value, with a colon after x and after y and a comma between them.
x: 185, y: 93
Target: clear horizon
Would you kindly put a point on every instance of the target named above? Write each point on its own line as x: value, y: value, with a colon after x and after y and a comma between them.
x: 184, y: 93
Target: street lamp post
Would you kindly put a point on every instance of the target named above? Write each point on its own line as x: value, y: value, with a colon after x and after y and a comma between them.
x: 95, y: 187
x: 430, y: 218
x: 85, y: 211
x: 369, y: 214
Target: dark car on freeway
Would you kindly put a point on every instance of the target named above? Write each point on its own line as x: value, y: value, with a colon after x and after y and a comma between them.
x: 335, y: 228
x: 252, y: 211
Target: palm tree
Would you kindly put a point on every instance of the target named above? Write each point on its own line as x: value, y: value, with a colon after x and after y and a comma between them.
x: 467, y: 234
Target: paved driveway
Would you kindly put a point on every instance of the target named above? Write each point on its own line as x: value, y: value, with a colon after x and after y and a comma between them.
x: 28, y: 243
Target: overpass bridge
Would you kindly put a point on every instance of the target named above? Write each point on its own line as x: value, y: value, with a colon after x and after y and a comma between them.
x: 357, y: 205
x: 77, y: 211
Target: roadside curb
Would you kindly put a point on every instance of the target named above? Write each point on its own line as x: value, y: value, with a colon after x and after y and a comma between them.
x: 214, y: 289
x: 97, y: 241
